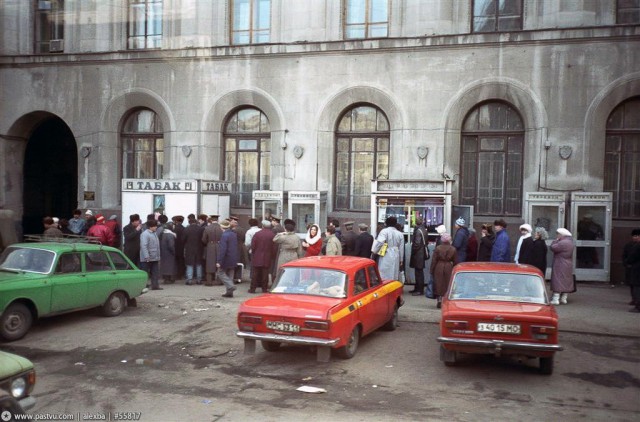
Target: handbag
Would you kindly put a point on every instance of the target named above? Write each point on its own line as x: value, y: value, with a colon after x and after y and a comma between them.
x: 383, y: 249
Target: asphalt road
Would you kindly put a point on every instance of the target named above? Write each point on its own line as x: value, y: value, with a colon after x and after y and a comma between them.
x: 176, y: 358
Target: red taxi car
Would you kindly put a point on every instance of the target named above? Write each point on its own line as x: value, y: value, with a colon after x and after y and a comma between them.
x: 498, y: 309
x: 324, y: 301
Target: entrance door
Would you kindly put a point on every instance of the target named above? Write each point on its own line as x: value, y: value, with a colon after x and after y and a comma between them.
x: 591, y: 227
x: 50, y: 175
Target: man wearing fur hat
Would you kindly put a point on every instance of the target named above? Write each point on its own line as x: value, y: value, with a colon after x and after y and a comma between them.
x: 227, y: 257
x: 461, y: 239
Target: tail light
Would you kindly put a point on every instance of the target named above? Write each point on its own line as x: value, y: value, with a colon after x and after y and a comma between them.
x: 456, y: 325
x: 542, y: 332
x: 247, y: 322
x: 317, y: 325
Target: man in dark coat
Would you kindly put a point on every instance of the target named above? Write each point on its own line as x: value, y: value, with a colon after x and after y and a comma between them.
x: 131, y: 234
x: 349, y: 240
x: 419, y: 254
x: 364, y: 241
x: 243, y: 253
x: 631, y: 261
x: 227, y: 257
x: 461, y: 239
x: 210, y: 238
x: 193, y: 250
x: 262, y: 256
x: 178, y: 229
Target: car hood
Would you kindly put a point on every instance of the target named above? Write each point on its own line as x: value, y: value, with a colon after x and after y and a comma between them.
x: 11, y: 364
x: 485, y: 307
x: 287, y: 305
x: 6, y: 276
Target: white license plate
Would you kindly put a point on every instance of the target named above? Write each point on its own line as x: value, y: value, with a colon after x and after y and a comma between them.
x: 283, y: 326
x: 486, y: 327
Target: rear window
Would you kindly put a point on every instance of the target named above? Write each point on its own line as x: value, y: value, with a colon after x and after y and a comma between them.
x: 311, y: 281
x: 498, y: 286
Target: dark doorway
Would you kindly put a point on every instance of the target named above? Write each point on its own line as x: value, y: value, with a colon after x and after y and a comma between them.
x: 50, y: 175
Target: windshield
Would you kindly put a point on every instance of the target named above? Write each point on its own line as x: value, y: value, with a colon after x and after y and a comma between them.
x: 498, y: 286
x: 311, y: 281
x: 26, y: 259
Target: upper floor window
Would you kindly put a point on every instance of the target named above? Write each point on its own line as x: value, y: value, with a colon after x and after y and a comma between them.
x: 492, y: 160
x: 628, y: 11
x: 362, y: 154
x: 145, y: 24
x: 497, y: 15
x: 142, y: 145
x: 247, y: 154
x: 622, y: 159
x: 251, y: 21
x: 366, y: 19
x: 49, y: 26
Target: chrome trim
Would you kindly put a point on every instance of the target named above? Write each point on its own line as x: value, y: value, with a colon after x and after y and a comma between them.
x: 281, y: 338
x: 501, y: 344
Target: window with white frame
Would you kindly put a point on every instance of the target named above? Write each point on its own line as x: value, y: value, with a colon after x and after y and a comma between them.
x: 250, y: 21
x: 144, y: 30
x: 366, y: 19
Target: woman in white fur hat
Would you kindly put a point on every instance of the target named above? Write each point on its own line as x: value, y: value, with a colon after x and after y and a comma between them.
x: 525, y: 245
x: 562, y: 271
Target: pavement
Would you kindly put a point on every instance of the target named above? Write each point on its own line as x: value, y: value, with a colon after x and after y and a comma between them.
x: 595, y: 308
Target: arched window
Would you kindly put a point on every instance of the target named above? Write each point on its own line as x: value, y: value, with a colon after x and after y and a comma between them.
x: 247, y: 154
x: 622, y: 159
x: 142, y: 145
x: 491, y: 162
x: 362, y: 154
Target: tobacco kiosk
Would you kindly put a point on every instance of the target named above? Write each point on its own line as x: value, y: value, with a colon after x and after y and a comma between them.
x: 164, y: 196
x: 307, y: 207
x: 408, y: 199
x: 215, y: 197
x: 268, y: 203
x: 548, y: 210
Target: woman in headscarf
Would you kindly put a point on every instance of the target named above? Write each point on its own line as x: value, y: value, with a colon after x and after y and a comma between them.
x: 538, y: 255
x: 562, y: 282
x: 486, y: 243
x: 442, y: 261
x: 313, y: 241
x: 389, y: 246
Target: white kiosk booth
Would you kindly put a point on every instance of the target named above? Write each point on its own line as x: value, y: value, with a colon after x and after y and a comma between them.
x: 168, y: 197
x: 546, y: 209
x: 307, y: 207
x: 267, y: 203
x: 408, y: 199
x: 215, y: 197
x: 591, y: 229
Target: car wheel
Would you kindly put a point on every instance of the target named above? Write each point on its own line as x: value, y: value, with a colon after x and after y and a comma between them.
x: 546, y: 365
x: 270, y: 346
x: 449, y: 357
x: 349, y: 350
x: 115, y: 305
x: 392, y: 324
x: 16, y: 321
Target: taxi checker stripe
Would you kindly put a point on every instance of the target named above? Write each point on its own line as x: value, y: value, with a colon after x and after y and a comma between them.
x: 382, y: 292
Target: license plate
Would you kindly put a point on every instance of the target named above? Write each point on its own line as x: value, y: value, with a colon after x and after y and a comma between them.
x: 498, y: 328
x: 283, y: 326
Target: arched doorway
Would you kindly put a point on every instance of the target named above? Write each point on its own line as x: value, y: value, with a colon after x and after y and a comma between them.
x: 50, y: 174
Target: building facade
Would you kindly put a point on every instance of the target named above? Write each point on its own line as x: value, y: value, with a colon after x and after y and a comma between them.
x: 500, y: 98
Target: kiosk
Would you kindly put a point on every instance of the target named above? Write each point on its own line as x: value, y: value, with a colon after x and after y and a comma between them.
x: 546, y: 209
x: 307, y: 207
x: 267, y: 203
x: 215, y: 197
x: 168, y: 197
x: 591, y: 229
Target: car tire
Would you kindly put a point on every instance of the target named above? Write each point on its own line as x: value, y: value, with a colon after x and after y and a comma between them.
x: 392, y: 323
x: 546, y: 365
x: 448, y: 357
x: 115, y: 305
x: 270, y: 346
x: 349, y: 350
x: 16, y: 321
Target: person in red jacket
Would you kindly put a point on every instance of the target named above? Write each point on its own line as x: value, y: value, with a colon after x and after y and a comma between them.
x: 313, y: 241
x: 103, y: 233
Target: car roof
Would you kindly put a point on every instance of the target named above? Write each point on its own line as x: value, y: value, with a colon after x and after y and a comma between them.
x: 59, y: 247
x: 342, y: 263
x: 496, y: 267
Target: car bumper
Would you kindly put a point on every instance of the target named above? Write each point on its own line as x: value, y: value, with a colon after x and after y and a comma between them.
x: 27, y: 402
x: 496, y: 346
x: 300, y: 340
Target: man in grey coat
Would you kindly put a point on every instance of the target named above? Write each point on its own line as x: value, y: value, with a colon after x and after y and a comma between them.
x: 150, y: 253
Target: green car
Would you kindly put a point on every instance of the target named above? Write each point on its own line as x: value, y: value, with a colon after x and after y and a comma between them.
x: 17, y: 378
x: 43, y: 279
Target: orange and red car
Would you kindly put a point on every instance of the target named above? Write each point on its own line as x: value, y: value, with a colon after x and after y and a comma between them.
x: 325, y: 301
x: 499, y: 309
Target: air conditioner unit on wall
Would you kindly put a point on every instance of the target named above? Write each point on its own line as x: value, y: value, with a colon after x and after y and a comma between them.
x: 56, y: 46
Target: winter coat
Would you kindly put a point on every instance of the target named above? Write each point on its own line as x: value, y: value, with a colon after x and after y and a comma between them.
x: 102, y: 232
x: 334, y: 247
x: 289, y: 247
x: 485, y: 248
x: 460, y: 241
x: 314, y: 243
x: 349, y: 243
x: 193, y: 246
x: 519, y: 253
x: 116, y: 230
x: 132, y: 243
x: 562, y: 269
x: 501, y: 251
x: 52, y: 232
x: 149, y: 247
x: 631, y: 261
x: 472, y: 248
x: 248, y: 237
x: 526, y: 248
x: 168, y: 253
x: 418, y: 244
x: 389, y: 264
x: 444, y: 258
x: 211, y: 238
x: 364, y: 241
x: 228, y: 250
x: 538, y: 256
x: 263, y: 250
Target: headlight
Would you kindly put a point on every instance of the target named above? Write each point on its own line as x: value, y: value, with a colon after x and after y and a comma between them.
x: 18, y: 387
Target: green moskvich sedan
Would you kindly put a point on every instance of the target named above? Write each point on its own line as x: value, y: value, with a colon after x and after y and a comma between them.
x: 17, y: 378
x: 49, y: 278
